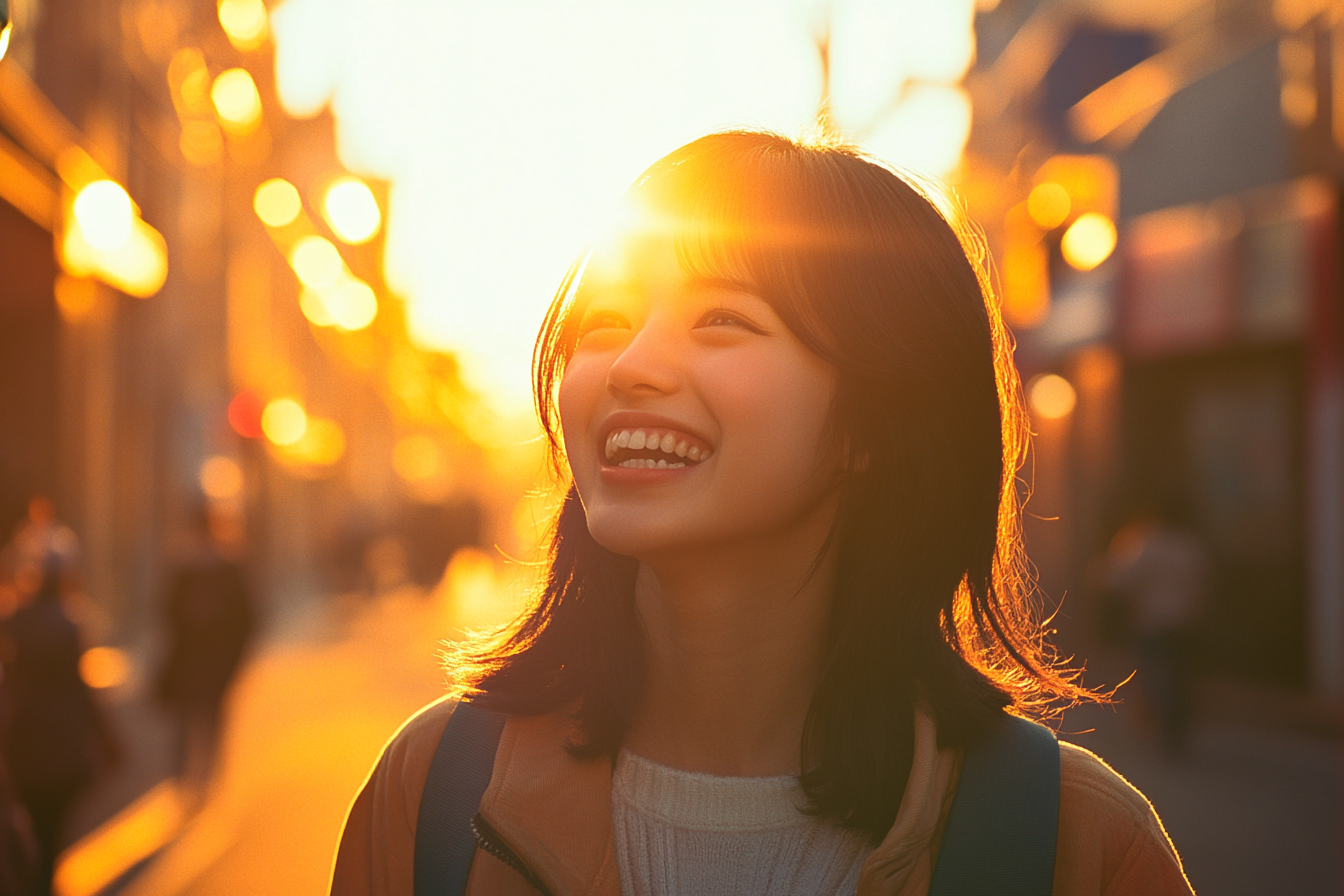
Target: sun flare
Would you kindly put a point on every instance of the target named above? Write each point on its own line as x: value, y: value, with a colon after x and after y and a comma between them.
x: 508, y: 139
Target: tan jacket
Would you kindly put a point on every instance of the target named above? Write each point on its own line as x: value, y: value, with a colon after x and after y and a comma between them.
x: 554, y: 813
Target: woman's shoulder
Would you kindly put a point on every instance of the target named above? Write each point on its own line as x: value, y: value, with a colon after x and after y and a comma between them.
x: 1110, y: 838
x: 409, y: 752
x: 377, y: 845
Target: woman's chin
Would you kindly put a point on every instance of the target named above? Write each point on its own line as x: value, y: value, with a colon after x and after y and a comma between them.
x: 633, y: 535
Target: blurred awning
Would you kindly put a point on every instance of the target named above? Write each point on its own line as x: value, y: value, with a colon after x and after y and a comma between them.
x: 35, y: 136
x: 40, y: 150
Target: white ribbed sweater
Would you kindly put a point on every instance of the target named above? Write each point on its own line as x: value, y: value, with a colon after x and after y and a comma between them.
x: 686, y: 834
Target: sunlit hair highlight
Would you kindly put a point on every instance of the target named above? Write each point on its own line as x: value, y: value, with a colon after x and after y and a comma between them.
x: 934, y: 604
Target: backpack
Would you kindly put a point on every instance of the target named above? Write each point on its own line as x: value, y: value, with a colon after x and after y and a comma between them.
x: 999, y: 840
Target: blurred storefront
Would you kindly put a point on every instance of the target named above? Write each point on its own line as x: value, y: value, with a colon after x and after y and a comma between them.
x: 1168, y: 245
x: 227, y: 340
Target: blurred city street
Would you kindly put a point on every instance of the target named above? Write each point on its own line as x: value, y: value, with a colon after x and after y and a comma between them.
x: 271, y: 275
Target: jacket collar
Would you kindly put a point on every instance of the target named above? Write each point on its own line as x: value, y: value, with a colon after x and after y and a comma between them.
x: 554, y: 811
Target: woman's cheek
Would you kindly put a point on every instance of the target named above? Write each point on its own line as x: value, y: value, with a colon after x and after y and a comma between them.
x: 580, y: 391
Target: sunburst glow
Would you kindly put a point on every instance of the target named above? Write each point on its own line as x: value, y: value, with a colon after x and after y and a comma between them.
x: 507, y: 138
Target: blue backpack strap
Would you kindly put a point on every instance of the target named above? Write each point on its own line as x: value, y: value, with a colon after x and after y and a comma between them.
x: 458, y: 776
x: 1001, y: 830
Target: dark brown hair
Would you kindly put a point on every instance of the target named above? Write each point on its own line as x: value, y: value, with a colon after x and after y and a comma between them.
x: 932, y: 600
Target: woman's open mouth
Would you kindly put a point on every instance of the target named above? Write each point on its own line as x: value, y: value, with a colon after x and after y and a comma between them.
x: 660, y: 449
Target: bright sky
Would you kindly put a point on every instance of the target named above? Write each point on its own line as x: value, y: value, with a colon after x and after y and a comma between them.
x: 509, y: 129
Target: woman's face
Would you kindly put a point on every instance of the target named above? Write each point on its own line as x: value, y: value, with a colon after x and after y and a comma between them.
x: 691, y: 414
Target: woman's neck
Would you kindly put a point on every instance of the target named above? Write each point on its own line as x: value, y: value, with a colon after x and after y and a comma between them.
x: 736, y: 637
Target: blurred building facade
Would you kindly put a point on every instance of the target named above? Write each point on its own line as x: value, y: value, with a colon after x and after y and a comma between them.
x: 266, y: 372
x: 1169, y: 244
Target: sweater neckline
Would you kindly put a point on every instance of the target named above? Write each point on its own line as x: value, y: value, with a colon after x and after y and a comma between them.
x: 699, y: 801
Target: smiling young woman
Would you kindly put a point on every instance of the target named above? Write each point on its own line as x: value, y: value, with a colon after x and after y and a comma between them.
x: 787, y: 620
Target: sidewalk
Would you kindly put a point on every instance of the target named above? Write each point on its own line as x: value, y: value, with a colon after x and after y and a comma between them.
x: 1252, y: 811
x: 307, y: 720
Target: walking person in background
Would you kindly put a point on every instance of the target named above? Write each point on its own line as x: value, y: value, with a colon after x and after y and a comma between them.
x: 18, y: 845
x: 41, y: 544
x: 55, y: 736
x: 209, y: 616
x: 1159, y: 570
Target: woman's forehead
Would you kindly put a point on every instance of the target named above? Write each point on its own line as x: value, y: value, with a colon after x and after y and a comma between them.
x: 641, y: 259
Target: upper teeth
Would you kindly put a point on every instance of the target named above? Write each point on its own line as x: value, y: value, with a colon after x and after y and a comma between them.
x: 652, y: 440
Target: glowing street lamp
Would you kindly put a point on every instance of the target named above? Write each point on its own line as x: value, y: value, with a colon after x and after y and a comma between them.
x: 351, y: 304
x: 351, y: 210
x: 237, y: 102
x: 284, y: 421
x: 1049, y: 205
x: 105, y: 214
x: 244, y: 21
x: 277, y: 202
x: 1051, y: 396
x: 316, y: 262
x: 314, y: 308
x: 1089, y: 241
x: 104, y: 238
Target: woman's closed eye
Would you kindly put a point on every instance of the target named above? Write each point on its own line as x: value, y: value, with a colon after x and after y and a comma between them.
x: 602, y: 320
x: 722, y: 317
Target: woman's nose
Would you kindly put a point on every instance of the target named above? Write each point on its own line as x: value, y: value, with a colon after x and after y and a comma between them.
x: 649, y: 364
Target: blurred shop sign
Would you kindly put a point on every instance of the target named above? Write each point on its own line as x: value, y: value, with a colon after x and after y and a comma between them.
x: 1082, y: 312
x: 1238, y: 270
x: 1288, y: 244
x: 1180, y: 281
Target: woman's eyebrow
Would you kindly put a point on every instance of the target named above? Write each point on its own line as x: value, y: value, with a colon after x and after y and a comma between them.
x: 702, y: 282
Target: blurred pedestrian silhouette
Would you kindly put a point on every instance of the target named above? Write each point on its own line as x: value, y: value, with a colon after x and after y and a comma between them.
x: 55, y: 736
x: 18, y: 846
x: 1158, y: 572
x: 209, y: 617
x: 40, y: 544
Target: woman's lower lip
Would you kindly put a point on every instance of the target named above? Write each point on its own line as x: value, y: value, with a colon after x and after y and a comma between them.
x: 633, y: 475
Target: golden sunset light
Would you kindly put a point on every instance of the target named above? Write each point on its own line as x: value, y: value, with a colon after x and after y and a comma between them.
x: 762, y: 423
x: 533, y: 136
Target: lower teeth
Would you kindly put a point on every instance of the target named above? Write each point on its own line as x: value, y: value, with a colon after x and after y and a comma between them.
x: 640, y: 463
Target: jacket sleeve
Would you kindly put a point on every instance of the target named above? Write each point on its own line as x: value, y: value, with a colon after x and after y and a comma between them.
x: 376, y: 856
x: 1111, y: 842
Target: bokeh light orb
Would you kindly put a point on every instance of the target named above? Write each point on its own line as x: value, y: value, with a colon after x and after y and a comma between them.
x: 244, y: 21
x: 351, y: 210
x: 105, y: 215
x: 236, y: 100
x: 1051, y: 396
x: 277, y: 202
x: 351, y: 304
x: 316, y: 262
x: 104, y: 667
x: 1089, y: 241
x: 245, y: 414
x: 314, y: 308
x: 1049, y: 205
x: 221, y: 478
x: 284, y: 421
